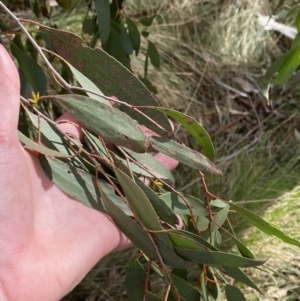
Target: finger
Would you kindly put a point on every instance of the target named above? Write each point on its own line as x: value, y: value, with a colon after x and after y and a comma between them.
x: 68, y: 124
x: 167, y: 161
x: 9, y: 98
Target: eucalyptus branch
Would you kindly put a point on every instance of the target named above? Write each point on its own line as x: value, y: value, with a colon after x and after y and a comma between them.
x: 66, y: 85
x: 167, y: 185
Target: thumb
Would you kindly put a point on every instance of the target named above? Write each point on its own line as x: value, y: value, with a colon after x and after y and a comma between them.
x: 9, y: 97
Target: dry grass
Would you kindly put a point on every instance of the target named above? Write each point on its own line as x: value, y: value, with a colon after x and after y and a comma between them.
x: 214, y: 56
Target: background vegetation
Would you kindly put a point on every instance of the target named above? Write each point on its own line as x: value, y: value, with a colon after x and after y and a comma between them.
x: 213, y: 58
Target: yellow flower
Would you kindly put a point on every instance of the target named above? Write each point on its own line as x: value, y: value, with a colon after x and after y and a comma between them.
x: 35, y: 97
x: 157, y: 185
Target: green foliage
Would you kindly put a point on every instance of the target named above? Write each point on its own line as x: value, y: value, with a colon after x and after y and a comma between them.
x: 110, y: 181
x: 282, y: 68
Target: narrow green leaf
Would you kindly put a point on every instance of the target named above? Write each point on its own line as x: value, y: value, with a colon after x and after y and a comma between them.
x: 263, y: 225
x: 220, y: 218
x: 202, y: 242
x: 31, y: 69
x: 241, y: 247
x: 202, y: 224
x: 145, y: 33
x: 204, y: 287
x: 147, y: 83
x: 177, y: 204
x: 110, y: 123
x: 289, y: 65
x: 161, y: 209
x: 88, y: 85
x: 213, y: 287
x: 153, y: 165
x: 134, y: 35
x: 127, y: 43
x: 80, y: 184
x: 153, y: 54
x: 135, y: 283
x: 233, y: 293
x: 186, y: 291
x: 170, y: 258
x: 194, y: 128
x: 35, y: 7
x: 96, y: 144
x: 218, y: 203
x: 214, y: 258
x: 184, y: 155
x: 54, y: 139
x: 114, y: 47
x: 141, y: 206
x: 129, y: 227
x: 38, y: 147
x: 103, y: 16
x: 296, y: 41
x: 183, y: 241
x: 297, y: 22
x: 147, y: 21
x: 181, y: 273
x: 240, y: 276
x: 108, y: 74
x: 138, y: 202
x: 272, y: 70
x: 89, y: 26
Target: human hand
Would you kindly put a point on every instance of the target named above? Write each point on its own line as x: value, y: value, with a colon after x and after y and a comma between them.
x: 48, y: 240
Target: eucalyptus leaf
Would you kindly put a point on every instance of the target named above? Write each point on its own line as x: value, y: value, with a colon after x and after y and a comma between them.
x: 89, y: 26
x: 147, y: 21
x: 204, y: 287
x: 108, y: 122
x: 54, y: 139
x: 88, y: 85
x: 134, y: 35
x: 184, y: 155
x: 263, y: 225
x: 103, y: 17
x: 244, y: 251
x: 214, y: 258
x: 138, y: 202
x: 108, y: 75
x: 161, y: 209
x: 129, y: 227
x: 39, y: 147
x: 153, y: 54
x: 170, y: 257
x: 178, y: 205
x: 186, y: 290
x: 153, y: 165
x: 194, y: 128
x: 213, y: 287
x: 80, y: 184
x: 127, y: 43
x: 114, y: 46
x: 141, y: 206
x: 136, y: 277
x: 233, y: 293
x: 240, y: 276
x: 31, y: 69
x: 220, y: 218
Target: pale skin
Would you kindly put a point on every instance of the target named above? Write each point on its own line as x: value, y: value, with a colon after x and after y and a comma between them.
x: 48, y: 240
